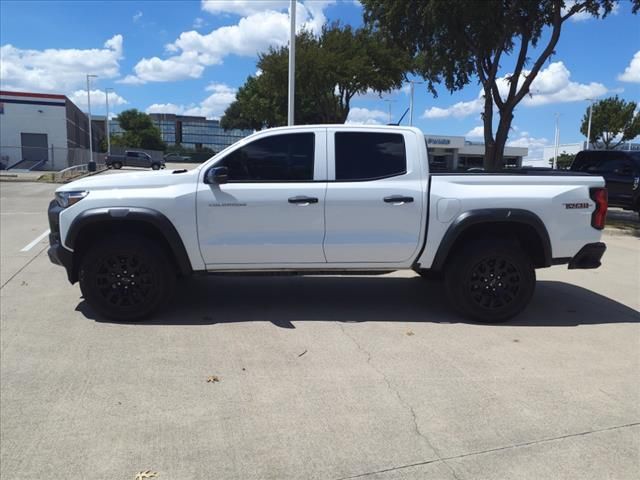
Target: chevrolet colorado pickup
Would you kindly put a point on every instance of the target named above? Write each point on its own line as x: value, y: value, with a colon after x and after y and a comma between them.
x: 325, y: 200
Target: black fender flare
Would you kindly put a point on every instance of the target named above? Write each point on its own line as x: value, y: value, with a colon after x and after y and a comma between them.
x: 491, y: 215
x: 132, y: 214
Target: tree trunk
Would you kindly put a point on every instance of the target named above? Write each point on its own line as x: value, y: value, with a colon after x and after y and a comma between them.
x: 489, y: 142
x: 502, y: 134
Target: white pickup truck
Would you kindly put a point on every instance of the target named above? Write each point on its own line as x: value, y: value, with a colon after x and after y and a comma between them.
x: 325, y: 200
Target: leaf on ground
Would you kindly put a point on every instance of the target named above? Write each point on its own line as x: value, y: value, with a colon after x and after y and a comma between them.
x: 213, y: 379
x: 145, y: 474
x: 410, y: 333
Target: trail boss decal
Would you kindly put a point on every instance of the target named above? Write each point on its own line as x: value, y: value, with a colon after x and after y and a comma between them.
x: 571, y: 206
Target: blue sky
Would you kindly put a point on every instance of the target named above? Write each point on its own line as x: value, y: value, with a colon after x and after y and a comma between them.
x: 191, y: 56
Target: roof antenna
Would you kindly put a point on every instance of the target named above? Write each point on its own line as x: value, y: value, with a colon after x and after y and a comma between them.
x: 400, y: 121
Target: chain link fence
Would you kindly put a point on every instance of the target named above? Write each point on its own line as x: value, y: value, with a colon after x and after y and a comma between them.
x: 46, y: 159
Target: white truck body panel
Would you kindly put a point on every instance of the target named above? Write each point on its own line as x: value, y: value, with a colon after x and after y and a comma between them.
x: 251, y: 226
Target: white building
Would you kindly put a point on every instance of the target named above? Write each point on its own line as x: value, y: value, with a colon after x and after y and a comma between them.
x: 41, y: 127
x: 457, y: 153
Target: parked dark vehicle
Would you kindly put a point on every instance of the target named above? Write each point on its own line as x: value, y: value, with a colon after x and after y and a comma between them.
x: 133, y: 159
x: 621, y: 172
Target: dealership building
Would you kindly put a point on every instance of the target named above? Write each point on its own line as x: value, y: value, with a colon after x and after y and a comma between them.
x: 450, y: 153
x: 44, y: 129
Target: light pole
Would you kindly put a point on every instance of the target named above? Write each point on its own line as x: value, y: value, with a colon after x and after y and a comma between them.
x: 389, y: 102
x: 412, y: 83
x: 106, y: 93
x: 556, y: 142
x: 92, y: 163
x: 292, y: 63
x: 589, y: 124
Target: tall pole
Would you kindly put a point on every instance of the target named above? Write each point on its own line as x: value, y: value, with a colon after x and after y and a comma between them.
x: 589, y: 124
x: 106, y: 93
x: 412, y: 83
x: 557, y: 143
x: 292, y: 63
x: 92, y: 163
x: 389, y: 101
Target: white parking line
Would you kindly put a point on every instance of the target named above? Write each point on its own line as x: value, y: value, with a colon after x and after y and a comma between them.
x: 35, y: 242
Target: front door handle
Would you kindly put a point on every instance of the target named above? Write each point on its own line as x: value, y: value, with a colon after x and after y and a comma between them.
x: 398, y: 199
x: 303, y: 200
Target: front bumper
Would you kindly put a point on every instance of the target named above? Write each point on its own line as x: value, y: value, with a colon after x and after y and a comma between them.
x: 59, y: 255
x: 589, y: 256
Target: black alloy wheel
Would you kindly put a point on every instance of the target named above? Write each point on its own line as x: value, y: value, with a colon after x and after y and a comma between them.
x: 490, y: 280
x: 126, y: 277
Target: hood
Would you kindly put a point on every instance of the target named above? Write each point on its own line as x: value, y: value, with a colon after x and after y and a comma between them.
x: 146, y: 179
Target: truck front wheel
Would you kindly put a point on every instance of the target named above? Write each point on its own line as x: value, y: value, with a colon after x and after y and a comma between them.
x: 126, y: 277
x: 490, y: 281
x: 117, y: 165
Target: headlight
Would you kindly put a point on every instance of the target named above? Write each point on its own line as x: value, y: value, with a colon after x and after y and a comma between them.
x: 66, y: 199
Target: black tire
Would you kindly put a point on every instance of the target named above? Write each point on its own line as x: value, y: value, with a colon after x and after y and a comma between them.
x: 490, y: 281
x: 155, y: 166
x: 126, y: 277
x: 117, y: 165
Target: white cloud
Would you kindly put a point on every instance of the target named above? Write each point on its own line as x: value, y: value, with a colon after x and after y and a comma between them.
x: 535, y: 145
x: 215, y: 104
x: 165, y: 108
x: 475, y: 132
x: 98, y: 99
x: 632, y: 72
x: 260, y: 29
x: 552, y: 85
x: 58, y: 70
x: 243, y: 7
x: 198, y: 23
x: 137, y: 16
x: 582, y: 16
x: 458, y: 110
x: 211, y: 107
x: 364, y: 116
x: 154, y: 69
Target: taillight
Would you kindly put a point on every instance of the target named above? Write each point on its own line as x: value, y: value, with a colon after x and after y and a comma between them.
x: 599, y: 215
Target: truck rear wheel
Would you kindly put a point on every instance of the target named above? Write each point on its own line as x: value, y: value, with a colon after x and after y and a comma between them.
x: 490, y: 281
x: 155, y: 166
x: 126, y: 277
x: 117, y: 165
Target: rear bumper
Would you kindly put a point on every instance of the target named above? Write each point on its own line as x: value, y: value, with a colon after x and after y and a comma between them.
x: 589, y: 256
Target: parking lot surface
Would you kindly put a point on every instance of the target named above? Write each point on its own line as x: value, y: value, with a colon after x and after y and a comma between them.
x: 314, y: 377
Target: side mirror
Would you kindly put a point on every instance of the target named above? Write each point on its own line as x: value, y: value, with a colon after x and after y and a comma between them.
x: 217, y: 175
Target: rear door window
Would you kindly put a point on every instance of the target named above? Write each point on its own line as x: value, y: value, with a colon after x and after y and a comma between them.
x: 362, y: 156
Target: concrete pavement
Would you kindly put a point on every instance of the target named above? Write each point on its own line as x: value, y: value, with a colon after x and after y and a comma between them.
x: 319, y: 377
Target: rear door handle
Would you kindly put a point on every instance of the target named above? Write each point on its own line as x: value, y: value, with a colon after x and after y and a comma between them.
x: 303, y: 200
x: 398, y: 199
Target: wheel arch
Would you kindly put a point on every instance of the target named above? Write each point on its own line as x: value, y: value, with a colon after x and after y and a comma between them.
x: 97, y: 223
x: 527, y: 228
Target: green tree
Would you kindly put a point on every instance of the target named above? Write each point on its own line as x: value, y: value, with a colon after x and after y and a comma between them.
x: 611, y: 118
x: 139, y: 131
x: 452, y: 41
x: 564, y: 161
x: 330, y: 70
